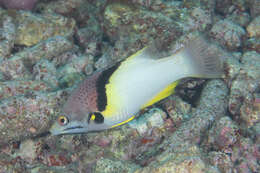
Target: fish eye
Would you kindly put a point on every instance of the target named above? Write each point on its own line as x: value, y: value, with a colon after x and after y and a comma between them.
x: 63, y: 120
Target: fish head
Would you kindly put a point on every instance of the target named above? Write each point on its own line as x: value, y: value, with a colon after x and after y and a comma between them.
x: 78, y: 115
x: 80, y: 123
x: 70, y: 124
x: 80, y: 112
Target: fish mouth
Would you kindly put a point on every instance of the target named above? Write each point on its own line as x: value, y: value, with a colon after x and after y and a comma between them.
x: 72, y: 128
x: 57, y: 130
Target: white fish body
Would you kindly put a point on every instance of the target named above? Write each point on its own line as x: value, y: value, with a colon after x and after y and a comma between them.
x: 112, y: 97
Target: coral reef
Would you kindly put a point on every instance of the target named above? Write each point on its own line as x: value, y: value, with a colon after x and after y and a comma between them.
x: 19, y: 65
x: 47, y: 48
x: 8, y: 35
x: 253, y: 28
x: 32, y: 28
x: 228, y: 34
x: 243, y: 88
x: 254, y: 6
x: 30, y: 113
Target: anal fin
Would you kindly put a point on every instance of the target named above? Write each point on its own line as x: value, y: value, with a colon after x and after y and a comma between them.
x: 161, y: 95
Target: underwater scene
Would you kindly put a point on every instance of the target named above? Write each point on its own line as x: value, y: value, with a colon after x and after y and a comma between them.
x: 129, y: 86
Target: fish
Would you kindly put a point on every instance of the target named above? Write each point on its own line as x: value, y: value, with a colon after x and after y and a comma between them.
x: 114, y: 96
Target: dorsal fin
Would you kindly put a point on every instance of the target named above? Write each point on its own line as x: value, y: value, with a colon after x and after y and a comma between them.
x: 154, y: 50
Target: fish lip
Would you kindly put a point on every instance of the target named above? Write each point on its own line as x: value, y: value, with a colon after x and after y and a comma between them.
x: 75, y: 127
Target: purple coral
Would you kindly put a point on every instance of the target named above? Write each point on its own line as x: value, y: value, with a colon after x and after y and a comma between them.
x: 19, y: 4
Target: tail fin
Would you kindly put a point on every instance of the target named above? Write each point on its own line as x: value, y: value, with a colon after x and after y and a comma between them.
x: 204, y: 57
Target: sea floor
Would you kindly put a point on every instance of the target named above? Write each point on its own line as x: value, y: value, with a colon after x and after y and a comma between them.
x: 47, y: 47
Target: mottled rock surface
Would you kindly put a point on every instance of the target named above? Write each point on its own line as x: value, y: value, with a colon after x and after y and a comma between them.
x: 27, y: 115
x: 19, y: 4
x: 8, y: 35
x: 228, y: 34
x: 253, y: 28
x: 19, y: 65
x: 208, y: 125
x: 32, y: 28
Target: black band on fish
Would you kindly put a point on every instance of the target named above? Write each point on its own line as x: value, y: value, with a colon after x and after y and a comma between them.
x: 102, y: 80
x: 97, y: 117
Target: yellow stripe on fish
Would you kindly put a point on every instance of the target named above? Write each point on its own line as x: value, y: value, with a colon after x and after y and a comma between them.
x: 126, y: 121
x: 162, y: 95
